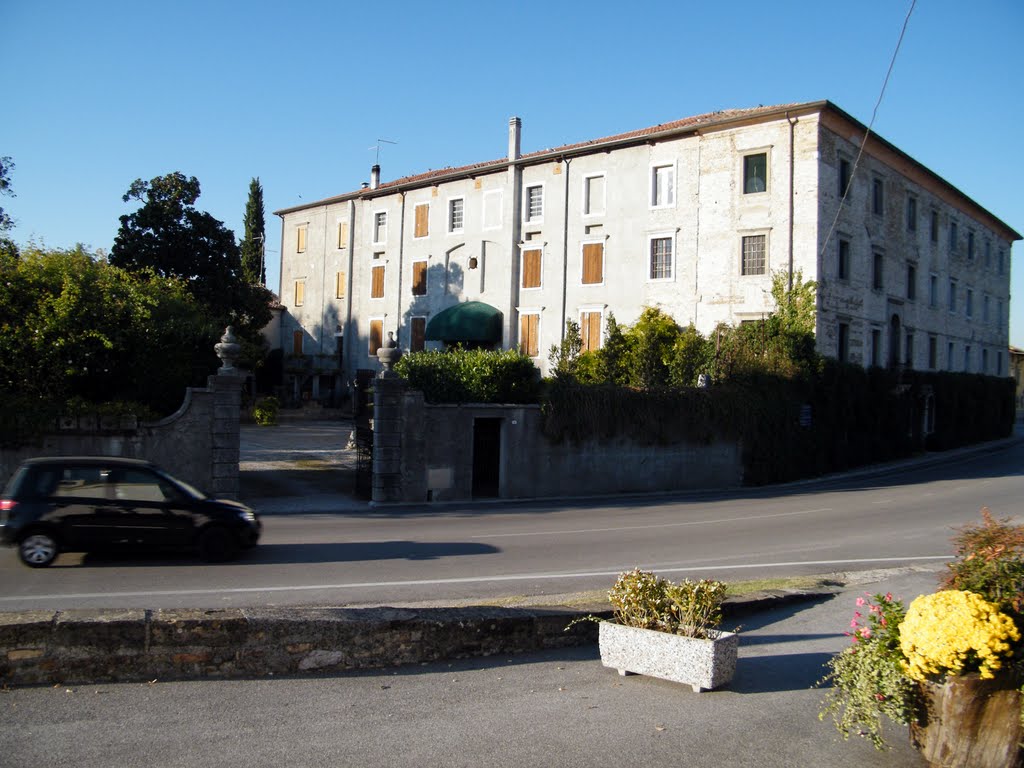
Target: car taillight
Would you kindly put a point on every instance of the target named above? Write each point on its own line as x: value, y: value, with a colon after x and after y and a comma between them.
x: 6, y: 507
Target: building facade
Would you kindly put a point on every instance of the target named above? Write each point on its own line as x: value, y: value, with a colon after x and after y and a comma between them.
x: 692, y: 217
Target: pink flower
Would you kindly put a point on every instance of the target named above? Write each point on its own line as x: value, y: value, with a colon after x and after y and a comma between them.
x: 882, y: 621
x: 853, y: 623
x: 865, y: 632
x: 888, y: 597
x: 860, y: 601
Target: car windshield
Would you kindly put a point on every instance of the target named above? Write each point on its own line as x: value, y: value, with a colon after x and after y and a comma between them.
x: 191, y: 490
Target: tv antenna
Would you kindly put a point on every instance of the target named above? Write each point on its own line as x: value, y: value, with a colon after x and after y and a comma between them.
x: 377, y: 147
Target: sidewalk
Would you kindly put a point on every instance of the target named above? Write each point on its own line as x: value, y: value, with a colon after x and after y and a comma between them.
x: 551, y: 708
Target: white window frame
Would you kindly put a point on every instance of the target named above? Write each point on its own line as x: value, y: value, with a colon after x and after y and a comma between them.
x: 527, y: 217
x: 585, y: 196
x: 766, y: 151
x: 450, y: 209
x: 651, y: 237
x: 591, y: 309
x: 531, y: 245
x: 539, y: 312
x: 412, y: 276
x: 604, y: 259
x: 766, y: 234
x: 501, y: 214
x: 379, y: 264
x: 375, y: 229
x: 653, y: 203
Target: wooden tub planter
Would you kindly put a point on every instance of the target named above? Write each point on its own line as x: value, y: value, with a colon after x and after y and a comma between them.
x: 703, y: 664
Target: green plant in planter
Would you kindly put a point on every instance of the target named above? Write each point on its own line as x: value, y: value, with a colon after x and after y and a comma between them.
x: 265, y: 411
x: 691, y: 608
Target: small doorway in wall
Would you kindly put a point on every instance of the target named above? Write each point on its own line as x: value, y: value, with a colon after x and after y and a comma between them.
x: 486, y: 457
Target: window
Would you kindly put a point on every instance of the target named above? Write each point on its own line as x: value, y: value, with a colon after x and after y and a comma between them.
x: 661, y: 258
x: 950, y: 349
x: 933, y: 291
x: 377, y: 282
x: 531, y: 268
x: 421, y: 226
x: 999, y: 364
x: 967, y: 358
x: 755, y: 173
x: 663, y: 186
x: 529, y: 341
x: 845, y: 171
x: 593, y: 263
x: 492, y: 209
x: 985, y: 308
x: 535, y: 203
x: 988, y: 254
x: 456, y: 214
x: 593, y: 195
x: 297, y: 338
x: 1002, y: 262
x: 380, y: 227
x: 970, y: 246
x: 999, y: 316
x: 876, y: 347
x: 300, y: 239
x: 911, y: 214
x: 952, y: 237
x: 843, y: 260
x: 970, y: 303
x: 300, y: 292
x: 877, y: 196
x: 952, y: 295
x: 843, y: 343
x: 590, y: 330
x: 417, y: 334
x: 419, y: 278
x: 933, y: 353
x: 755, y: 260
x: 376, y: 336
x: 909, y: 349
x: 911, y: 282
x: 984, y: 361
x: 877, y: 266
x: 343, y: 234
x: 935, y: 226
x: 339, y: 285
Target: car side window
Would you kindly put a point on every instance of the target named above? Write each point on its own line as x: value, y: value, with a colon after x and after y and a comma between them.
x: 82, y: 483
x: 137, y: 485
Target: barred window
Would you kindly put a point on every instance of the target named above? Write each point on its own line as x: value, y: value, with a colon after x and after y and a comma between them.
x: 661, y: 258
x: 754, y: 256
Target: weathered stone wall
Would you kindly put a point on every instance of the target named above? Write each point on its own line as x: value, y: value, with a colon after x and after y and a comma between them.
x: 199, y: 443
x: 428, y: 456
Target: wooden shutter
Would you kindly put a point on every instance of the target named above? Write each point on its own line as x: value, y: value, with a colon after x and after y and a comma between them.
x: 300, y: 292
x: 590, y: 330
x: 593, y: 263
x: 528, y: 327
x: 422, y: 224
x: 339, y: 286
x: 419, y: 332
x: 376, y: 335
x: 419, y: 278
x: 377, y: 285
x: 531, y: 268
x: 300, y: 239
x: 296, y: 342
x: 343, y: 234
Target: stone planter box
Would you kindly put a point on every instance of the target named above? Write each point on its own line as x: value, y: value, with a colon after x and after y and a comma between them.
x: 701, y: 664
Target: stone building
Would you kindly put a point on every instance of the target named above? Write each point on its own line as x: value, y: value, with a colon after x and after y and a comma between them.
x: 692, y: 216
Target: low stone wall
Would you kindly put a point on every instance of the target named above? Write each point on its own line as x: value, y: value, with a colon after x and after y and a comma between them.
x: 46, y: 647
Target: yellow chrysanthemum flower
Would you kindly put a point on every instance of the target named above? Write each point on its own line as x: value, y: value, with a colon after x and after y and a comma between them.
x: 952, y: 632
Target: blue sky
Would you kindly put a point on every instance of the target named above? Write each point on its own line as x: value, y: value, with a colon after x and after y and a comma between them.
x: 98, y: 94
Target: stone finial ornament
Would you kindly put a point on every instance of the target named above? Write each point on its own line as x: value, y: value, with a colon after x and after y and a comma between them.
x: 227, y: 350
x: 389, y: 354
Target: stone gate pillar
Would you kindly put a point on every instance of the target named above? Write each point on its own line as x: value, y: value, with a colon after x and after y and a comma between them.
x: 226, y: 386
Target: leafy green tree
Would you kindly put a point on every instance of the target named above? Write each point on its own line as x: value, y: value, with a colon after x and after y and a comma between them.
x: 169, y: 236
x: 75, y: 327
x: 6, y: 166
x: 692, y: 355
x: 253, y: 245
x: 653, y: 337
x: 796, y: 304
x: 563, y: 357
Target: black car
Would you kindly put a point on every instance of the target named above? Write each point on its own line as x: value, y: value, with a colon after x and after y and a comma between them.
x: 92, y: 503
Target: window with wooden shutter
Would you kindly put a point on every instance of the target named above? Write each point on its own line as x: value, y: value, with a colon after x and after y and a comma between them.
x: 419, y: 278
x: 300, y: 292
x: 419, y: 332
x: 531, y: 268
x: 593, y: 263
x: 422, y: 227
x: 377, y: 283
x: 376, y: 336
x: 296, y: 342
x: 529, y: 343
x: 300, y: 239
x: 590, y: 330
x: 339, y: 285
x: 343, y: 234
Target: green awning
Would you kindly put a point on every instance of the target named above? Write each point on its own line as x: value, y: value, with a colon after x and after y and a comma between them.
x: 468, y: 321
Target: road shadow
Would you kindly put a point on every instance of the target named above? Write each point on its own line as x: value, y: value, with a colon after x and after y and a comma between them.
x: 776, y: 674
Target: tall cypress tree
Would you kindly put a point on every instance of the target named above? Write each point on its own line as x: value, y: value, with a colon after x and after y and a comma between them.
x: 254, y: 270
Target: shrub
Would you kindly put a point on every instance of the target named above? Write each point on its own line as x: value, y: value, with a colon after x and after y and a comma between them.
x: 990, y: 562
x: 265, y: 411
x: 641, y: 599
x: 472, y: 376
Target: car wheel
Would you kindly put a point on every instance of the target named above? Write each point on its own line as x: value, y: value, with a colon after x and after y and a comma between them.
x: 38, y: 549
x: 217, y: 544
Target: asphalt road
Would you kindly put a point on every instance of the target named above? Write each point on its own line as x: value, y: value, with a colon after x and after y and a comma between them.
x: 365, y: 555
x: 551, y: 709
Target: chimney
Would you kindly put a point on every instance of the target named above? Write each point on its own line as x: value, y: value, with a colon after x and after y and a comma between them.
x: 515, y: 127
x: 375, y: 177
